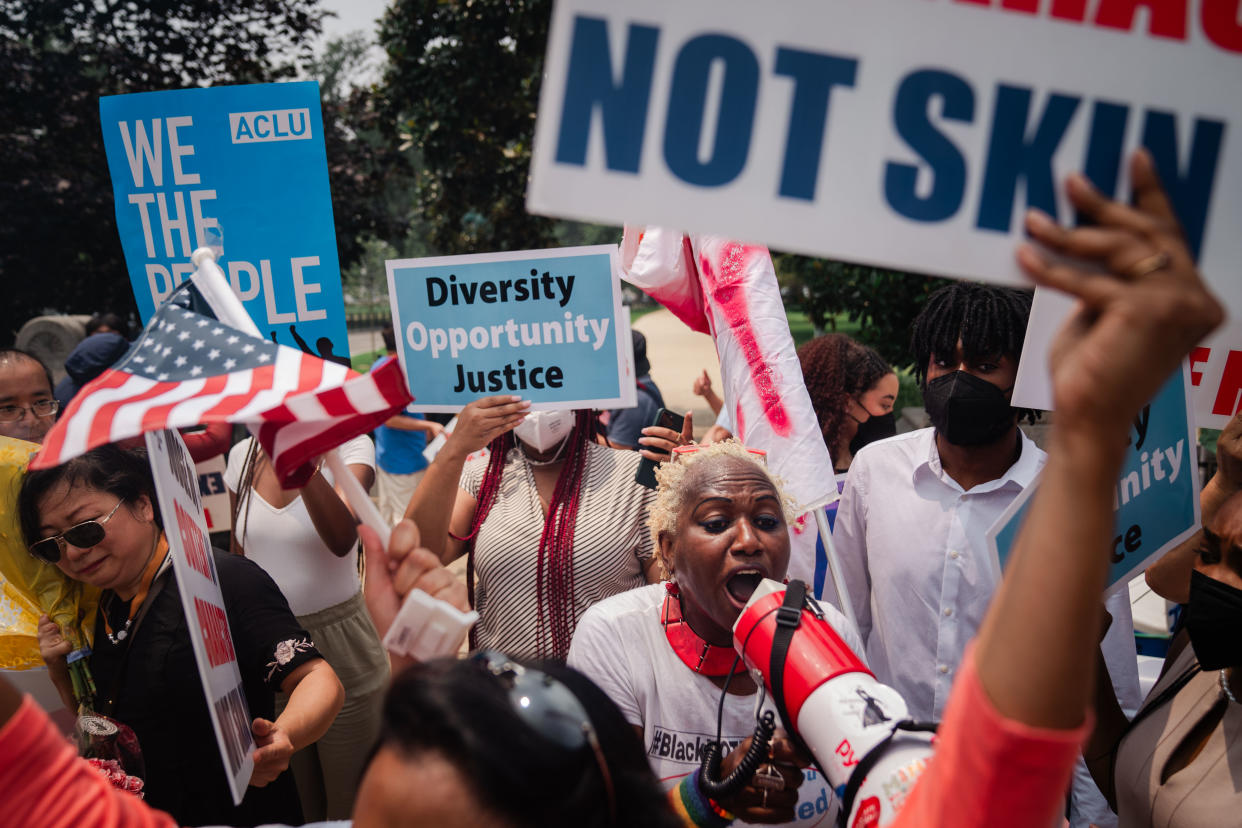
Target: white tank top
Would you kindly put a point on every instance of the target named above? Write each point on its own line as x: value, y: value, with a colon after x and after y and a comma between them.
x: 284, y: 541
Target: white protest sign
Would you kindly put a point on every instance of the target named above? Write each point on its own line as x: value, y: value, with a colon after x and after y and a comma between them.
x: 903, y: 133
x: 176, y: 486
x: 547, y: 325
x: 215, y: 495
x: 1215, y: 371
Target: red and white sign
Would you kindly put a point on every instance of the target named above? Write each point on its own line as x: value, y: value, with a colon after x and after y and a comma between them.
x: 902, y: 133
x: 177, y: 488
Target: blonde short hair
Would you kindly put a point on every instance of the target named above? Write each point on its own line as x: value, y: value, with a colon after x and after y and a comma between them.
x: 671, y: 479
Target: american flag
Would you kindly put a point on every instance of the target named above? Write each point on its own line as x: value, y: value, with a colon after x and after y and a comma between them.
x: 187, y: 369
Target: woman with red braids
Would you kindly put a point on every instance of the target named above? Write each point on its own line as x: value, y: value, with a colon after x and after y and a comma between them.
x: 550, y: 520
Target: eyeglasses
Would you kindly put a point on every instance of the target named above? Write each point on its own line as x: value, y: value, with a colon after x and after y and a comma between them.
x: 682, y: 451
x: 42, y: 408
x: 85, y: 535
x: 549, y: 708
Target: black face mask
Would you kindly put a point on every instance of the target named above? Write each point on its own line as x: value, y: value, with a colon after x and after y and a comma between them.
x: 967, y: 410
x: 1214, y: 621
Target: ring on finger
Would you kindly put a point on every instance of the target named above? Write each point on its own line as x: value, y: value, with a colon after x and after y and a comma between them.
x: 768, y: 778
x: 1150, y: 264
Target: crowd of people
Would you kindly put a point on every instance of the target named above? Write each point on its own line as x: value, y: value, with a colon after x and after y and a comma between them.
x: 602, y: 664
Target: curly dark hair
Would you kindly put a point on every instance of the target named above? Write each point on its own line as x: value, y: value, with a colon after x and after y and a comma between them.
x: 837, y: 369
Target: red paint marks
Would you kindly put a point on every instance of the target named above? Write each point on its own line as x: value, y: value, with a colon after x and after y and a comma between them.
x: 728, y: 292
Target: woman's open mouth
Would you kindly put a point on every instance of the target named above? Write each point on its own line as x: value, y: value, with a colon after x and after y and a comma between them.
x: 742, y: 584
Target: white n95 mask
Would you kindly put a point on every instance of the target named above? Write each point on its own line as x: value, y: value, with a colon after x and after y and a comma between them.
x: 541, y: 430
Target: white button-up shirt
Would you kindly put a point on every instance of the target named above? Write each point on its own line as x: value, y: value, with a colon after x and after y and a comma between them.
x: 913, y: 551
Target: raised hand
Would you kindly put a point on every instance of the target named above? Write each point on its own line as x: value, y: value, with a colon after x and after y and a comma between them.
x: 483, y: 420
x: 1142, y: 307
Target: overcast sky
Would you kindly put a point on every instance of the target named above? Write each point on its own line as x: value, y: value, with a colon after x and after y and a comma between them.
x: 352, y: 15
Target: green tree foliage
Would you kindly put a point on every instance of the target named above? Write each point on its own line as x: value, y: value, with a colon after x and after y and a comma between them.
x: 369, y: 175
x: 461, y: 89
x: 58, y: 241
x: 883, y: 302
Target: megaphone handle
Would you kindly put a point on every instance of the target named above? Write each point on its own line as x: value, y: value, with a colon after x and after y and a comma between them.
x: 719, y: 789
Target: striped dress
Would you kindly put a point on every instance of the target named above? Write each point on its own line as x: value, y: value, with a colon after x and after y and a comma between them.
x: 611, y: 544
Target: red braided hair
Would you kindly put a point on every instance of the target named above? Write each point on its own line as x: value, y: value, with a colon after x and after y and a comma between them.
x: 554, y: 572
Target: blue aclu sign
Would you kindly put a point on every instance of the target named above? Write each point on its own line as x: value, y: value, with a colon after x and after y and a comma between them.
x: 1156, y: 499
x: 541, y: 324
x: 237, y: 167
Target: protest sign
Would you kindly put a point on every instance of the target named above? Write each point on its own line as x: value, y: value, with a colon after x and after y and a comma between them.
x: 176, y: 487
x: 1215, y: 369
x: 237, y: 167
x: 546, y: 325
x: 1156, y: 501
x: 901, y: 133
x: 214, y: 494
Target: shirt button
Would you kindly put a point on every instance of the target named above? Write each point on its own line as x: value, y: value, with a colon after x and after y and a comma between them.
x: 948, y: 611
x: 954, y: 554
x: 943, y: 668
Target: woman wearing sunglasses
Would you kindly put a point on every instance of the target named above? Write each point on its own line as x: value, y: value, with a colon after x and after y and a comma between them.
x: 95, y: 519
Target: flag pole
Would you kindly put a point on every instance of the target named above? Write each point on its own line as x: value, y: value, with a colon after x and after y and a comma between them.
x: 228, y: 308
x: 834, y: 568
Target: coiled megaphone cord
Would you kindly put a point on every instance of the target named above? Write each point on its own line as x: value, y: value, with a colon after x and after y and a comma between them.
x: 719, y: 789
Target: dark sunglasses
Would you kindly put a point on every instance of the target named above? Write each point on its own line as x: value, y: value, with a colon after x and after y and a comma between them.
x: 550, y: 709
x: 85, y: 535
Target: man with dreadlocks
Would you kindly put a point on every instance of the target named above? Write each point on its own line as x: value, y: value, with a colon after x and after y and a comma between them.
x: 550, y: 520
x: 911, y: 528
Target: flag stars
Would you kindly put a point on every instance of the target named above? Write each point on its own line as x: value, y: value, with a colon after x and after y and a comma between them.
x: 229, y: 363
x: 183, y: 336
x: 162, y: 377
x: 247, y: 348
x: 198, y: 344
x: 202, y: 323
x: 213, y: 353
x: 233, y: 340
x: 216, y: 331
x: 139, y: 358
x: 196, y: 370
x: 179, y: 361
x: 265, y: 357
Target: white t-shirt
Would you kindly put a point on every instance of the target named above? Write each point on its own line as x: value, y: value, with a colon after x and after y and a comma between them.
x: 284, y: 541
x: 621, y: 646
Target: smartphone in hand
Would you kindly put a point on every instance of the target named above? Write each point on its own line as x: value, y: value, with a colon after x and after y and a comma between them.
x: 645, y: 476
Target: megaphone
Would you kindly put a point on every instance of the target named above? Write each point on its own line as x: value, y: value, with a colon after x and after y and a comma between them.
x: 857, y: 729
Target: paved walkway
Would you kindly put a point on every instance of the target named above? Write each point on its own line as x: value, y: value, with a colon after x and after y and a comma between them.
x: 677, y: 356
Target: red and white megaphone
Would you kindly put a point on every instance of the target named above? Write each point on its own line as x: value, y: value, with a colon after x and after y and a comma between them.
x: 856, y: 727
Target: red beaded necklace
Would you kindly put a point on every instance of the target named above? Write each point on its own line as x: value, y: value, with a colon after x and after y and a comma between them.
x: 707, y: 659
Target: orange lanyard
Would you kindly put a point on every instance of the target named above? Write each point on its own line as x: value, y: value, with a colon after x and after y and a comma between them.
x: 144, y: 587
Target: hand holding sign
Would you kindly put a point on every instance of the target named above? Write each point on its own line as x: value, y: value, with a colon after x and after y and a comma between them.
x: 1136, y: 322
x: 273, y: 753
x: 483, y: 420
